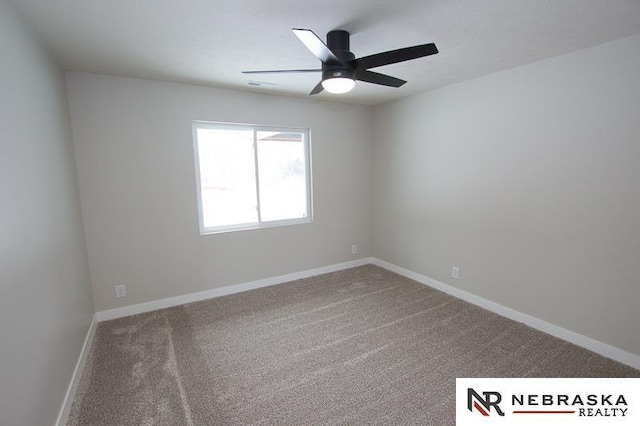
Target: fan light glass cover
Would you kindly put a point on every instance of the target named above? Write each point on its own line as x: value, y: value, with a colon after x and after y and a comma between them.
x: 338, y: 85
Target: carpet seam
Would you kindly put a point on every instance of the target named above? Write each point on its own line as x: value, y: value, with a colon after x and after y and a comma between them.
x: 174, y: 362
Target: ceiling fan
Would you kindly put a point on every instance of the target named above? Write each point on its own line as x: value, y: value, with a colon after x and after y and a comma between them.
x: 340, y: 68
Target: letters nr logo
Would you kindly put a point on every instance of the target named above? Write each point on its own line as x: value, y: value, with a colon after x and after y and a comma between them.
x: 483, y: 405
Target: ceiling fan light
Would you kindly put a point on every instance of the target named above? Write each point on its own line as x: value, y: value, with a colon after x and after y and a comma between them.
x: 338, y: 85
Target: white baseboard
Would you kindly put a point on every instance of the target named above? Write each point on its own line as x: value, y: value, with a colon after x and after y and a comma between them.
x: 63, y: 415
x: 224, y: 291
x: 603, y: 349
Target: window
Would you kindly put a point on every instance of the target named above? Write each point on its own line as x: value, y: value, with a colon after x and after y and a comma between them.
x: 251, y: 176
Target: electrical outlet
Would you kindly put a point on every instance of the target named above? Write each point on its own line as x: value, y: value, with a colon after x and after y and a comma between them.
x: 121, y: 290
x: 455, y: 272
x: 354, y: 249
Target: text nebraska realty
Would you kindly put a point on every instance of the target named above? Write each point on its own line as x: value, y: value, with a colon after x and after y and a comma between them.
x: 590, y: 405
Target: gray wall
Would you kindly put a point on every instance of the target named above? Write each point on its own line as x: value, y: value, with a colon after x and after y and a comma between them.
x: 45, y: 296
x: 529, y: 181
x: 137, y: 183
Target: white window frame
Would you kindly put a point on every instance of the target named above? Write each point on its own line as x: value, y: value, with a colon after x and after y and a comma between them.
x: 198, y: 124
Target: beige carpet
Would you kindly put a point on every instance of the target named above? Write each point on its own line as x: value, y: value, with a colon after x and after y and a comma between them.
x: 361, y: 346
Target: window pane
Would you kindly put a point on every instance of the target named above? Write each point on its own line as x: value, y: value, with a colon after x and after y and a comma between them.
x: 282, y: 176
x: 227, y: 177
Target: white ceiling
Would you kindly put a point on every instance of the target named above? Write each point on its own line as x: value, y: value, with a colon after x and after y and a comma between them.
x: 210, y: 42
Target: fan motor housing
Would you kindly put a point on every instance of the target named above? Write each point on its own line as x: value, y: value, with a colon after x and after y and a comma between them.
x: 338, y: 42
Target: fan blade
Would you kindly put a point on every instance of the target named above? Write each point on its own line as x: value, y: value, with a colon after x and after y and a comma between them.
x: 317, y: 89
x: 315, y: 45
x: 278, y: 71
x: 394, y: 56
x: 377, y: 78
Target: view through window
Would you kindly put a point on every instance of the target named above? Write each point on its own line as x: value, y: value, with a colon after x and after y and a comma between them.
x: 251, y: 176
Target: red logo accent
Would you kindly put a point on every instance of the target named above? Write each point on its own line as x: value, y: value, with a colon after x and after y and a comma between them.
x: 479, y: 408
